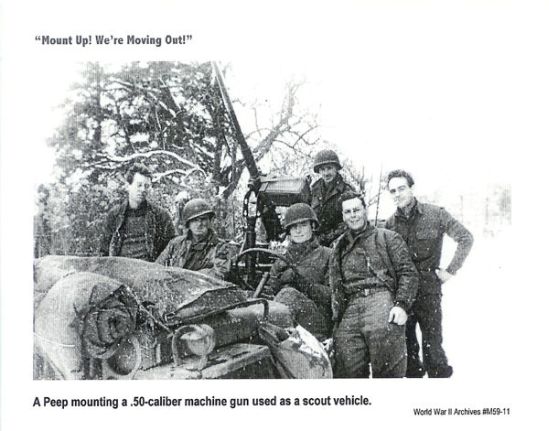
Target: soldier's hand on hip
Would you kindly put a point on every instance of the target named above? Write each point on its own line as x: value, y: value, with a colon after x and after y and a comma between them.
x: 397, y: 316
x: 443, y: 275
x: 328, y: 345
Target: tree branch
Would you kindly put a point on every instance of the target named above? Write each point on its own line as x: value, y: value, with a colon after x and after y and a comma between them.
x: 292, y: 147
x: 184, y: 174
x: 149, y: 154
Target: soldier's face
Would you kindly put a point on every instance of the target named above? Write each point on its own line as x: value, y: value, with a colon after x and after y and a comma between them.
x: 402, y: 193
x: 200, y: 226
x: 301, y: 232
x: 138, y: 189
x: 354, y: 214
x: 328, y: 172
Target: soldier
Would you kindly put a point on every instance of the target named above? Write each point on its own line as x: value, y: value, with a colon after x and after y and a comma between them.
x: 304, y: 287
x: 136, y: 228
x: 324, y: 196
x: 423, y: 227
x: 199, y: 248
x: 374, y: 283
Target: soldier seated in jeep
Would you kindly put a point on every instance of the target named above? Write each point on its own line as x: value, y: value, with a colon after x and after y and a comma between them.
x: 302, y: 282
x: 199, y: 248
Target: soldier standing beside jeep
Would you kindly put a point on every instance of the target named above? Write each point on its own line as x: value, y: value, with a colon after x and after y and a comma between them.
x: 325, y: 193
x: 374, y: 283
x: 136, y: 228
x: 423, y: 227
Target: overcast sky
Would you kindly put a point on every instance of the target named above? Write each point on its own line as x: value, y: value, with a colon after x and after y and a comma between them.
x: 437, y: 120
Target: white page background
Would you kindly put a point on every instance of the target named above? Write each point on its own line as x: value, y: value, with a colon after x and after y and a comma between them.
x: 457, y: 93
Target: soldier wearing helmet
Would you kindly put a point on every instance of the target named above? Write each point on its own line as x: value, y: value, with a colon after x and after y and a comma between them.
x: 325, y: 193
x: 199, y: 248
x: 302, y: 285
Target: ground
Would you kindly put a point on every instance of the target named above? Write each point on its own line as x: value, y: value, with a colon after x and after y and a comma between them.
x: 480, y: 311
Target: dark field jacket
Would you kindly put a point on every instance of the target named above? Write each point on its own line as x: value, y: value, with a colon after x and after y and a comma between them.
x: 312, y: 263
x: 211, y: 256
x: 378, y: 255
x: 424, y: 232
x: 326, y: 208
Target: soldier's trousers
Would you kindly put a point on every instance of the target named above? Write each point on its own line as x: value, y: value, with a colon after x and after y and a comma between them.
x: 427, y: 312
x: 365, y: 337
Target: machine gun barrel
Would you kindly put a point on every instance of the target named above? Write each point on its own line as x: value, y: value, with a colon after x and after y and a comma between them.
x: 246, y: 152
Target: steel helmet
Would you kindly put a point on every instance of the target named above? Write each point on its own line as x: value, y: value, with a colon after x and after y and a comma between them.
x: 196, y: 208
x: 326, y: 157
x: 299, y: 212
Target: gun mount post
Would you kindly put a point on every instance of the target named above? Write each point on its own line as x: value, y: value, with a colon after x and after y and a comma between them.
x: 255, y: 176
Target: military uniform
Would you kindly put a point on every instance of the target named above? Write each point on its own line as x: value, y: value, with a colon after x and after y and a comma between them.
x: 210, y: 256
x: 423, y: 230
x: 324, y: 201
x: 370, y: 272
x: 306, y: 293
x: 145, y: 239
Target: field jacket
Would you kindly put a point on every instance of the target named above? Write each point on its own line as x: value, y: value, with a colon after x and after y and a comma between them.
x: 210, y: 256
x: 424, y: 232
x: 327, y: 210
x: 374, y: 259
x: 312, y: 263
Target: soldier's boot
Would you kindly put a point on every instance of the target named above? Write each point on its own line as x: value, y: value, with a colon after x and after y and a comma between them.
x: 441, y: 373
x: 415, y: 373
x: 415, y: 368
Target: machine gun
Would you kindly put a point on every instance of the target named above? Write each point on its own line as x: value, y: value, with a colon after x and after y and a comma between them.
x: 269, y: 192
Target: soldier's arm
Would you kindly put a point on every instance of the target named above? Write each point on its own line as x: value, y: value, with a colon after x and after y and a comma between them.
x: 338, y: 296
x: 320, y: 292
x: 326, y: 269
x: 276, y: 275
x: 167, y: 231
x: 222, y: 259
x: 461, y: 236
x: 165, y: 257
x: 407, y: 275
x: 106, y: 235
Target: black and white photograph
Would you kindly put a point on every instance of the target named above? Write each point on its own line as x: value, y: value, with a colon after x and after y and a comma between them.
x: 243, y: 216
x: 315, y: 269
